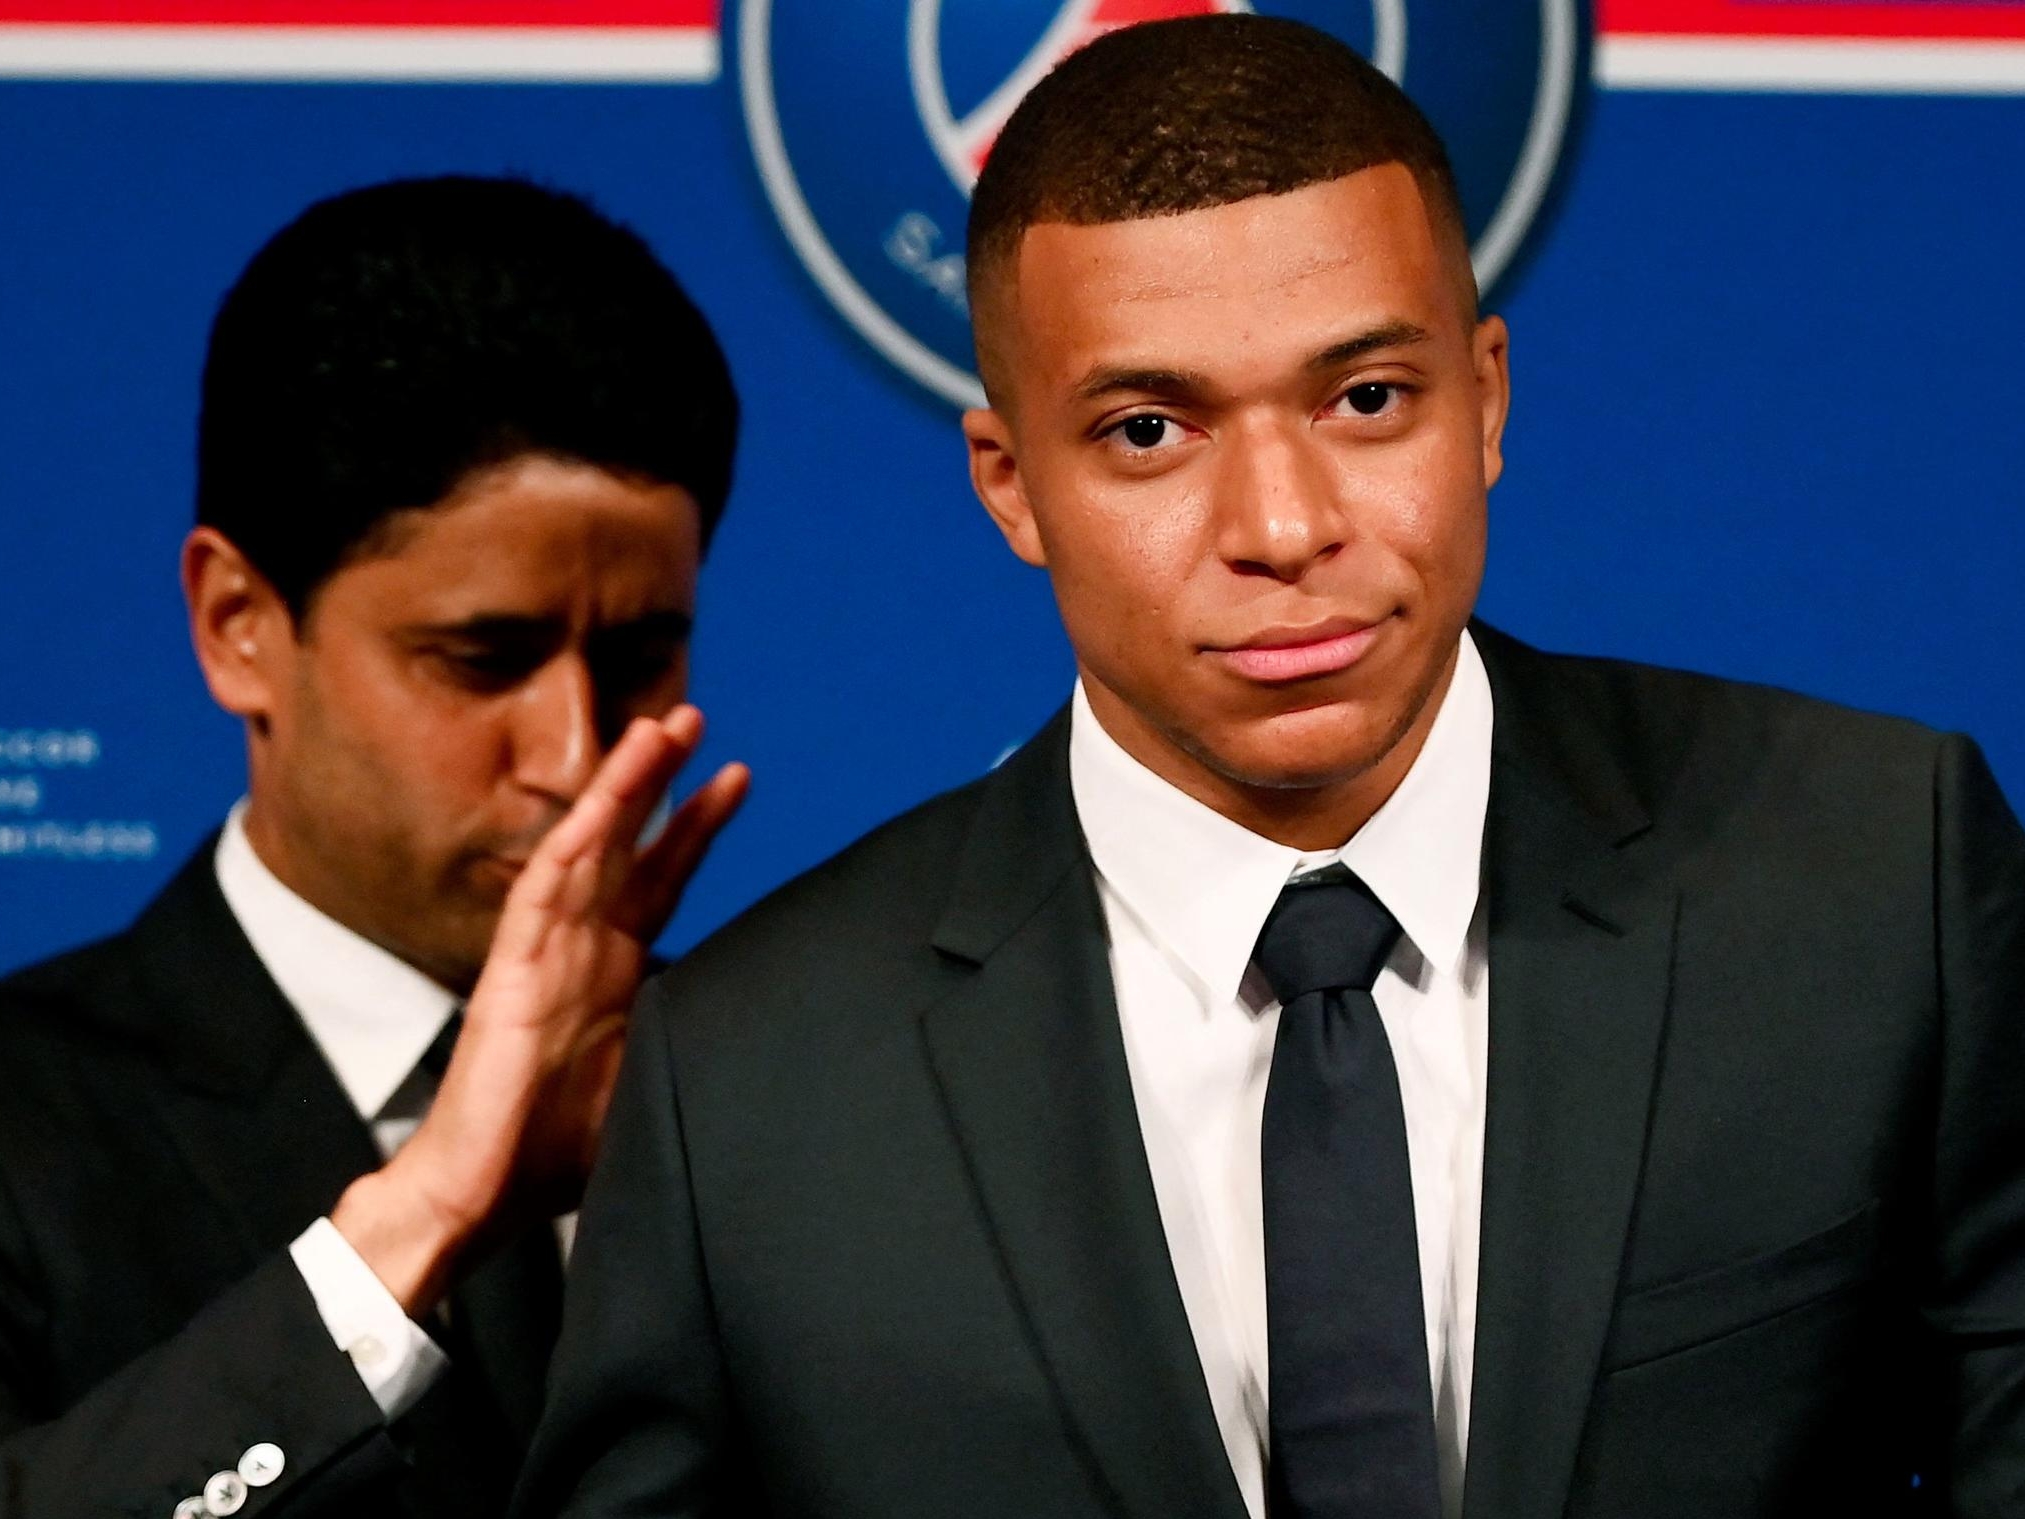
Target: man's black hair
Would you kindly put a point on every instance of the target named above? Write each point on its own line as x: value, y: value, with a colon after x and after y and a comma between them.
x: 393, y: 340
x: 1167, y: 117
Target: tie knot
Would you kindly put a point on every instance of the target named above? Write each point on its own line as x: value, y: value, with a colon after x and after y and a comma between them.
x: 1327, y: 932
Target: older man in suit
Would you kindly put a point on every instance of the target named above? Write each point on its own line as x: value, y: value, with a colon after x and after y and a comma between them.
x: 273, y: 1232
x: 1350, y: 1065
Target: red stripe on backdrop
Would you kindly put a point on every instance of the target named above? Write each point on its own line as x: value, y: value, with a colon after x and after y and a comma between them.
x: 1993, y: 21
x: 373, y: 13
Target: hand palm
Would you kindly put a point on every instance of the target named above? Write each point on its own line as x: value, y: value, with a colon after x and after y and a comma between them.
x: 524, y: 1098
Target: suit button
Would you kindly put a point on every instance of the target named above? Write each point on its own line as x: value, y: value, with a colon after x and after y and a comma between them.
x: 192, y: 1508
x: 225, y: 1494
x: 261, y: 1464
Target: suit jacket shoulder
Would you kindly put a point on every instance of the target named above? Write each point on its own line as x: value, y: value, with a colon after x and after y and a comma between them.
x: 1789, y: 809
x: 71, y: 1027
x: 1670, y: 744
x: 865, y: 921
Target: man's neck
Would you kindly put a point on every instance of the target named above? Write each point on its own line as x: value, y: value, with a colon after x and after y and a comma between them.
x: 370, y: 1012
x: 271, y: 847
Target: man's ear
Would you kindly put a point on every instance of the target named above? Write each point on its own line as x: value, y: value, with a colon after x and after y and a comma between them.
x: 242, y: 630
x: 995, y: 476
x: 1491, y: 353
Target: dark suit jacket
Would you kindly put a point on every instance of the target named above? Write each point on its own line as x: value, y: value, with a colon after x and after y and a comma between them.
x: 873, y: 1236
x: 167, y: 1127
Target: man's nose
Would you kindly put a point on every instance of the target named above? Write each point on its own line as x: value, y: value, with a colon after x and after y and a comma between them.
x: 557, y: 738
x: 1278, y: 510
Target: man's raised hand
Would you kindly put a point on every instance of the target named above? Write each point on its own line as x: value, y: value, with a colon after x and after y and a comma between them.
x: 515, y: 1122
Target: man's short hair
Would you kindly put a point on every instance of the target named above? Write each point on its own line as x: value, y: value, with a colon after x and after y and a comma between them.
x: 393, y: 340
x: 1174, y: 116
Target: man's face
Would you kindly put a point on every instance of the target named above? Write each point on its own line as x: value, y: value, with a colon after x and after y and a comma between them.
x: 448, y: 696
x: 1251, y: 445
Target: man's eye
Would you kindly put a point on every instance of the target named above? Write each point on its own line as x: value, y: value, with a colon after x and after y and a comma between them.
x: 1145, y: 433
x: 1371, y: 398
x: 488, y: 668
x: 630, y: 674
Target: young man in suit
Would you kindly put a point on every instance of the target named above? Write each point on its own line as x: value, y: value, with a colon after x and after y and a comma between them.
x: 1350, y: 1063
x: 273, y: 1232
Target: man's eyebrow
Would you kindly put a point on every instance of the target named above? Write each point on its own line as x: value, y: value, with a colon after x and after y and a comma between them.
x: 1185, y: 385
x: 1391, y: 335
x: 669, y: 622
x: 521, y: 627
x: 494, y: 627
x: 1112, y: 379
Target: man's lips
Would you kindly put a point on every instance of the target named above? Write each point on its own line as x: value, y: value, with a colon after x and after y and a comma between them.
x: 498, y: 868
x: 1300, y: 653
x: 507, y: 859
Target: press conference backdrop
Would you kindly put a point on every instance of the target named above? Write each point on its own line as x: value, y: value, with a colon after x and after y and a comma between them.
x: 1759, y: 259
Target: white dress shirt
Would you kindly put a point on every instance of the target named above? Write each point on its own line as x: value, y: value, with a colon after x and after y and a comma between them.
x: 373, y: 1015
x: 1185, y: 892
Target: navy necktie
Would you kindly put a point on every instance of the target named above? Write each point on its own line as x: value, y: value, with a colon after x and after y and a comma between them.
x: 1352, y: 1414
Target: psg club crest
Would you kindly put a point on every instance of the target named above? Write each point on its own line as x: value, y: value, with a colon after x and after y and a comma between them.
x: 869, y: 122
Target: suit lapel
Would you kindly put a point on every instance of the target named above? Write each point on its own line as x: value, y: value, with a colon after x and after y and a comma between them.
x: 253, y: 1107
x: 1031, y: 1066
x: 1580, y: 956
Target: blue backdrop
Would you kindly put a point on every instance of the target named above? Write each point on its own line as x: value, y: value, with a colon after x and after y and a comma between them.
x: 1766, y: 425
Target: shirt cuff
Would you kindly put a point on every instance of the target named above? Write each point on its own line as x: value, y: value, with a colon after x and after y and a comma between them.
x: 392, y: 1354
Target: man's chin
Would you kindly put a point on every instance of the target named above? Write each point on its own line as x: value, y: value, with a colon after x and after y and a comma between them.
x: 1313, y: 749
x: 447, y: 945
x: 471, y: 902
x: 464, y: 951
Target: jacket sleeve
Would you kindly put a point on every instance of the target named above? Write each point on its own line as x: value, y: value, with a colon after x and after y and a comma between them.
x: 255, y: 1367
x: 1976, y: 1280
x: 639, y: 1417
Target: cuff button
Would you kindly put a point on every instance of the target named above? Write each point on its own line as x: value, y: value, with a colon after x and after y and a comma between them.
x: 192, y: 1508
x: 225, y: 1494
x: 261, y: 1464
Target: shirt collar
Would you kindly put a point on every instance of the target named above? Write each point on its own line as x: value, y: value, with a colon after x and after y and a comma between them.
x: 370, y: 1012
x: 1203, y: 885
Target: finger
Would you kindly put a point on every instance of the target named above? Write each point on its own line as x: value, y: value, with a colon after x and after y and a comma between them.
x: 627, y: 784
x: 561, y: 877
x: 638, y: 786
x: 587, y: 856
x: 551, y: 881
x: 597, y: 813
x: 680, y: 849
x: 665, y: 868
x: 605, y: 820
x: 641, y: 764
